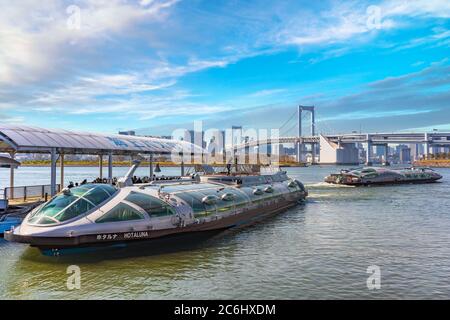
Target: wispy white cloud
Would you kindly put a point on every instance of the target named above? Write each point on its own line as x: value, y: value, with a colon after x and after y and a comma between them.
x: 358, y: 115
x: 128, y: 57
x: 445, y: 127
x: 37, y: 43
x: 266, y: 92
x: 353, y: 22
x: 88, y: 89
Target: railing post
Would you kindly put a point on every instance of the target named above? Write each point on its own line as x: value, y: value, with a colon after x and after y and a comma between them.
x: 43, y: 191
x: 24, y: 193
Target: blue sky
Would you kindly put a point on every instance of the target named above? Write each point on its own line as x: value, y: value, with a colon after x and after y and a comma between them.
x: 157, y: 65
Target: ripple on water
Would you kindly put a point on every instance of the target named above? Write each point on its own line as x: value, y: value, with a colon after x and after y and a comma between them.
x: 317, y: 250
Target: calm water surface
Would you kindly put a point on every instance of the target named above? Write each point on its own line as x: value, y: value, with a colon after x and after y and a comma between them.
x: 319, y: 250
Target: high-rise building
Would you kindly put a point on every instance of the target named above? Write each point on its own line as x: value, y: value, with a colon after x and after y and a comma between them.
x: 404, y: 153
x: 195, y: 137
x: 416, y: 151
x: 216, y: 141
x: 236, y: 134
x: 379, y: 150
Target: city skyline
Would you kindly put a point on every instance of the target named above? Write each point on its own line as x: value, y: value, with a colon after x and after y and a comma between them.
x: 154, y: 66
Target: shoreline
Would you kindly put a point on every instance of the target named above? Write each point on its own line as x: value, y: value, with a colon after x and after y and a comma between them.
x: 426, y: 163
x: 142, y: 165
x: 433, y: 163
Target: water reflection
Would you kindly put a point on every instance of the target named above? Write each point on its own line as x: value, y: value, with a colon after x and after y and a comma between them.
x: 133, y: 272
x: 318, y: 250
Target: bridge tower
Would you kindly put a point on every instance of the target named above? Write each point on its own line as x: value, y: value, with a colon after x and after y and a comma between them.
x: 313, y: 125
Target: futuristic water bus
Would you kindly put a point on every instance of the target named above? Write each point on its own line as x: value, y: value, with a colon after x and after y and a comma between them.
x: 379, y: 176
x: 102, y: 215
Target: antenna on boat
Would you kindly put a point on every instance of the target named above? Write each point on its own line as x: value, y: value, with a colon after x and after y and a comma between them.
x: 126, y: 180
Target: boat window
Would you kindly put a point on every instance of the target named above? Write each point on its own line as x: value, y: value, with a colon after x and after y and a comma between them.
x: 72, y: 203
x: 240, y: 198
x: 194, y: 199
x: 281, y: 188
x: 293, y: 186
x: 45, y: 220
x: 187, y: 187
x: 160, y: 209
x: 219, y: 206
x: 210, y: 209
x: 53, y: 207
x: 74, y: 210
x: 153, y: 206
x: 142, y: 200
x: 122, y: 212
x: 249, y: 192
x: 97, y: 195
x: 223, y: 206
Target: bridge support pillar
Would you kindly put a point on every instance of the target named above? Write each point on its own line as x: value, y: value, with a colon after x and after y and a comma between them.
x: 299, y: 151
x: 386, y: 151
x: 313, y: 124
x: 313, y: 153
x: 369, y: 151
x: 426, y: 146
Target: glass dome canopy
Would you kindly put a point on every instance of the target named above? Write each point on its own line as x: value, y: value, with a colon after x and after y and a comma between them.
x: 72, y: 203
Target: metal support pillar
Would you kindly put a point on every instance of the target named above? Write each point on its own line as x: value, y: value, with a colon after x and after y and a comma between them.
x: 53, y: 172
x: 100, y: 165
x: 110, y: 167
x: 182, y: 168
x: 11, y: 178
x: 61, y: 169
x: 150, y: 160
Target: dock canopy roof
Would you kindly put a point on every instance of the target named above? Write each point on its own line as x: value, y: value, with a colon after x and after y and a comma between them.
x: 26, y: 139
x: 6, y: 162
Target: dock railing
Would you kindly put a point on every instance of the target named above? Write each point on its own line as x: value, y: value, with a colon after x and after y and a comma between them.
x: 28, y: 192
